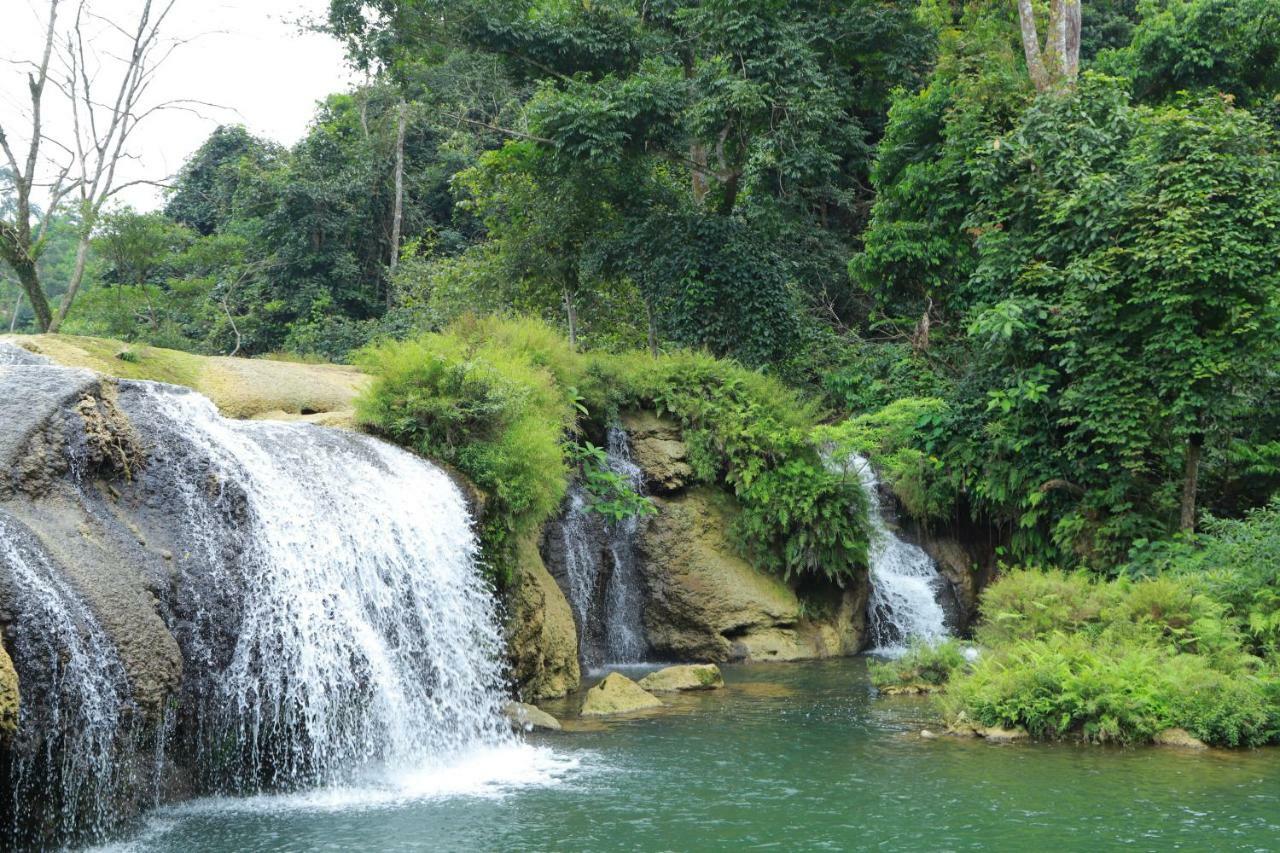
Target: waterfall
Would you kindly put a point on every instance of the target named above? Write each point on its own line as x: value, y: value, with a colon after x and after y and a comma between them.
x: 601, y: 571
x: 323, y: 588
x: 365, y: 632
x: 74, y: 715
x: 906, y: 587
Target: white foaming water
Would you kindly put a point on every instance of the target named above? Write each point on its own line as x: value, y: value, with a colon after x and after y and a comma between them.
x: 610, y: 621
x: 904, y: 580
x: 366, y: 633
x: 72, y: 717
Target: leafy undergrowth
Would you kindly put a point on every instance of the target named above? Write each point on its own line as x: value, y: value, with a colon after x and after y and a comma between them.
x: 925, y: 668
x: 1072, y: 656
x: 508, y: 404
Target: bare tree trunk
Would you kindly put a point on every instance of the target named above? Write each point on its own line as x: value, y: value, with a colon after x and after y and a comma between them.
x: 13, y: 318
x: 1191, y: 481
x: 1057, y: 63
x: 397, y: 216
x: 77, y: 276
x: 653, y: 330
x: 571, y: 314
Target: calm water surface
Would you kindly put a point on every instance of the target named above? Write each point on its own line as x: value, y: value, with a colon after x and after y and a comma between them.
x: 787, y: 757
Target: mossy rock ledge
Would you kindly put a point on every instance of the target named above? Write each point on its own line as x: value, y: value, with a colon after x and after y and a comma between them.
x: 9, y: 696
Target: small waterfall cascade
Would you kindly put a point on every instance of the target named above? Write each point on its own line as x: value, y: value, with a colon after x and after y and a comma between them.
x: 602, y: 572
x: 365, y: 633
x: 906, y: 587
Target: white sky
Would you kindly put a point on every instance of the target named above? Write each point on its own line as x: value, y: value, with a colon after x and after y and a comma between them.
x: 251, y: 57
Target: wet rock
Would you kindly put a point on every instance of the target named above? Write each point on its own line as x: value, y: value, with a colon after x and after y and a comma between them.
x: 617, y: 694
x: 542, y: 636
x: 9, y: 696
x: 707, y: 603
x: 658, y: 448
x: 1179, y: 737
x: 997, y: 734
x: 925, y: 734
x: 529, y: 718
x: 697, y: 676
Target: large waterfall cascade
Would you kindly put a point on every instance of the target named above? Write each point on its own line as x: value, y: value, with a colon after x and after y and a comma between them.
x: 334, y: 624
x: 906, y: 587
x: 602, y: 570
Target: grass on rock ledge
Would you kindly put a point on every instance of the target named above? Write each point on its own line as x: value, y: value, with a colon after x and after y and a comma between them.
x: 508, y: 403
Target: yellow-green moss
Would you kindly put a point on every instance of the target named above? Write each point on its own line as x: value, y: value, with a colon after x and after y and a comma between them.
x: 8, y: 696
x: 240, y: 387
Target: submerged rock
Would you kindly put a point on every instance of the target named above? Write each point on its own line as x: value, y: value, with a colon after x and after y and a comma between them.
x: 697, y: 676
x: 617, y: 694
x: 1179, y: 737
x: 999, y: 734
x: 529, y: 718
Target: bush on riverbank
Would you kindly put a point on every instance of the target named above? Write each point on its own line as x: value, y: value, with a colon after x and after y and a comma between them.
x: 506, y: 402
x: 1071, y: 656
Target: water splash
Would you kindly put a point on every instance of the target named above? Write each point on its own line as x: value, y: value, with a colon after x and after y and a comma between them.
x: 905, y: 583
x: 602, y: 571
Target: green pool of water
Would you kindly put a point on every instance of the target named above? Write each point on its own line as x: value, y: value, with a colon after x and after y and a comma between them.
x: 787, y: 757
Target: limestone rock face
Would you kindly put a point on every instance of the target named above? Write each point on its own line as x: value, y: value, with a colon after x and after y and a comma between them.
x: 542, y: 637
x: 707, y: 603
x: 697, y: 676
x: 617, y: 694
x: 530, y: 718
x: 658, y: 448
x: 9, y: 697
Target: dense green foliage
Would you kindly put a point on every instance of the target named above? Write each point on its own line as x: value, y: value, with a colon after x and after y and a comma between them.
x: 924, y: 668
x: 508, y: 404
x: 1069, y: 655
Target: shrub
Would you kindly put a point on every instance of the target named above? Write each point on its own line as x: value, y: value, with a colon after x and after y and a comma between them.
x: 1111, y: 689
x: 924, y: 668
x: 498, y: 399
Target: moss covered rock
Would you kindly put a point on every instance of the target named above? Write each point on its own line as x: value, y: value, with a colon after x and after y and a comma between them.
x: 617, y: 694
x: 658, y: 448
x: 240, y: 387
x: 9, y: 696
x: 542, y: 636
x: 697, y: 676
x: 707, y: 603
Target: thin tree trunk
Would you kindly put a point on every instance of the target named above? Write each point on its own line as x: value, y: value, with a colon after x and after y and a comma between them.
x: 571, y: 313
x: 1191, y: 481
x: 13, y: 319
x: 1031, y: 46
x: 77, y: 276
x: 653, y: 331
x: 397, y: 216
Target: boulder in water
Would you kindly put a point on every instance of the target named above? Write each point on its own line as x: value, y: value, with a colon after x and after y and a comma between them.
x: 617, y: 694
x: 1180, y: 738
x: 529, y: 718
x: 696, y: 676
x: 999, y: 734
